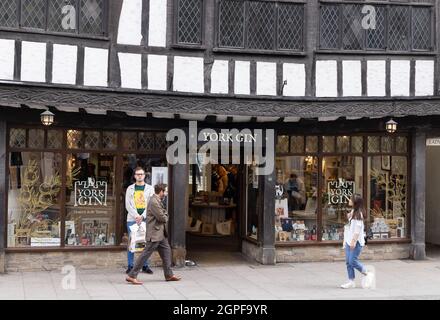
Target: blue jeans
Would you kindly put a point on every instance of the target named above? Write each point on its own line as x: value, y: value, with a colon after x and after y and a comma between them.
x: 351, y: 259
x: 130, y: 255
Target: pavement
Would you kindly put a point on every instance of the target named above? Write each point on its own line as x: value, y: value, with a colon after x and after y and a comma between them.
x: 229, y: 278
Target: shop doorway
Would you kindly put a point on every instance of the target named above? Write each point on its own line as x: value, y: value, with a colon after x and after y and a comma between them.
x: 432, y: 225
x: 215, y: 210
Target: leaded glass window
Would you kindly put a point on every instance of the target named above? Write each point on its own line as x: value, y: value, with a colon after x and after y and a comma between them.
x: 421, y: 28
x: 398, y: 33
x: 189, y: 21
x: 8, y: 14
x: 33, y: 14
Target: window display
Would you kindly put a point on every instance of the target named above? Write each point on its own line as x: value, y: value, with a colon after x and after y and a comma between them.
x: 296, y: 198
x: 33, y: 199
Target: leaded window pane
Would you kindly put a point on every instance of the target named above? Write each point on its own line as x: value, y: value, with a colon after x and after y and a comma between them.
x: 56, y: 15
x: 8, y: 13
x: 290, y: 27
x: 36, y: 138
x: 91, y: 140
x: 373, y: 144
x: 261, y: 25
x: 231, y: 24
x: 54, y: 139
x: 161, y: 142
x: 283, y: 144
x: 353, y: 35
x: 297, y: 144
x: 33, y: 14
x: 91, y: 16
x: 74, y: 138
x: 17, y: 138
x: 343, y: 144
x: 387, y: 144
x: 328, y: 144
x: 311, y: 144
x: 398, y: 32
x: 421, y: 28
x: 401, y: 144
x: 129, y: 140
x: 189, y: 23
x: 146, y: 141
x: 376, y: 37
x: 357, y: 144
x: 109, y: 140
x: 329, y: 33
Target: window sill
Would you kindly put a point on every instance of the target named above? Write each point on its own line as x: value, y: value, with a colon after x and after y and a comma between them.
x: 375, y: 52
x: 251, y: 240
x: 65, y: 249
x: 188, y: 47
x: 57, y: 34
x: 259, y: 52
x: 325, y: 243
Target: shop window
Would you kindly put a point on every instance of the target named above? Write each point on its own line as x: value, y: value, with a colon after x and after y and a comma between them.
x: 342, y: 177
x: 297, y: 144
x: 401, y: 144
x: 311, y: 144
x: 387, y: 196
x: 357, y: 144
x: 34, y: 199
x: 328, y: 144
x: 373, y: 144
x: 54, y: 139
x: 109, y: 140
x: 296, y: 198
x: 129, y: 140
x: 17, y: 138
x: 90, y: 200
x: 342, y: 144
x: 146, y: 141
x: 74, y: 139
x: 91, y: 140
x: 387, y: 144
x: 36, y: 138
x: 282, y: 144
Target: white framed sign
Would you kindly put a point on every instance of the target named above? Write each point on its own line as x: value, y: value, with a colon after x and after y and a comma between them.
x: 159, y: 175
x: 433, y: 142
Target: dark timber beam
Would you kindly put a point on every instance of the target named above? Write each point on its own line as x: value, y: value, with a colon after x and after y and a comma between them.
x: 2, y: 195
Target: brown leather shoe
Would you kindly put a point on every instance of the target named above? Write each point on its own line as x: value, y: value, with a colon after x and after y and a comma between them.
x: 173, y: 278
x: 133, y: 281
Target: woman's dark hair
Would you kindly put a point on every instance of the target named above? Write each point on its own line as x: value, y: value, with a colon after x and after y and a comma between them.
x: 358, y: 207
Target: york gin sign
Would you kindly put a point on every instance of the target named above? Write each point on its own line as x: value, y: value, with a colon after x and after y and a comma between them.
x: 340, y: 191
x: 90, y: 193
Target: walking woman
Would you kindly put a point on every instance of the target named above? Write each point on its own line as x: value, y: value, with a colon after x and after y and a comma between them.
x: 354, y: 240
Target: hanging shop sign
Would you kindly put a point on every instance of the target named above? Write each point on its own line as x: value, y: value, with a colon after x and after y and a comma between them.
x: 90, y: 193
x: 340, y: 191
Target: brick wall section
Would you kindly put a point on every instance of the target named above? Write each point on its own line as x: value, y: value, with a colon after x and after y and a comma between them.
x: 331, y: 252
x: 85, y: 260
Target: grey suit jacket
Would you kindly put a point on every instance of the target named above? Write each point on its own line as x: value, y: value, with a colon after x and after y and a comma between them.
x: 157, y: 219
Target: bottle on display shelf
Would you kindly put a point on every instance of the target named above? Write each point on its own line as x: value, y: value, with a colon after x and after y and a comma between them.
x: 77, y: 240
x: 84, y: 240
x: 314, y: 235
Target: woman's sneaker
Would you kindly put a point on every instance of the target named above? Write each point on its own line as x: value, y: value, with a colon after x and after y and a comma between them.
x: 350, y: 284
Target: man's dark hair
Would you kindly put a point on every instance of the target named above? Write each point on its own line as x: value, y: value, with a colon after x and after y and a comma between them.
x: 159, y: 187
x: 138, y: 169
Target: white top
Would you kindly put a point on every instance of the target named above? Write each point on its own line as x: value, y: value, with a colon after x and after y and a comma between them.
x: 352, y: 228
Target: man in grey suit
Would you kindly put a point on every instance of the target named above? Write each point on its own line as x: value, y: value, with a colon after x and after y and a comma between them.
x: 157, y: 238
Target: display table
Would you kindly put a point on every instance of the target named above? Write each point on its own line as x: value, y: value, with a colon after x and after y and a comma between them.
x: 211, y: 215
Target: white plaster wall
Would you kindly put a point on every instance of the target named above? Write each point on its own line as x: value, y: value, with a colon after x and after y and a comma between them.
x: 131, y: 70
x: 376, y: 78
x: 95, y: 67
x: 188, y: 74
x: 33, y: 61
x: 64, y: 64
x: 295, y: 74
x: 400, y: 70
x: 7, y: 59
x: 157, y: 31
x: 157, y: 72
x: 326, y: 78
x: 220, y: 76
x: 130, y: 23
x: 424, y: 78
x: 351, y: 78
x: 432, y: 190
x: 242, y: 77
x: 266, y: 78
